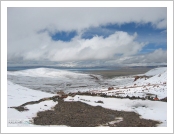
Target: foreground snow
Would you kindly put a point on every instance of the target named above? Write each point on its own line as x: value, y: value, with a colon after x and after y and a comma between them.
x: 18, y: 95
x: 154, y: 110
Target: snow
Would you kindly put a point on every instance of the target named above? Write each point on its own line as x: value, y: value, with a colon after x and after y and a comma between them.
x: 158, y: 78
x: 154, y: 110
x: 18, y: 95
x: 156, y: 71
x: 26, y: 116
x: 53, y: 80
x: 46, y: 72
x: 155, y: 85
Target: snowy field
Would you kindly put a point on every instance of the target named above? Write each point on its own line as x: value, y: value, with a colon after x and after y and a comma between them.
x: 18, y: 95
x: 155, y: 85
x: 52, y: 80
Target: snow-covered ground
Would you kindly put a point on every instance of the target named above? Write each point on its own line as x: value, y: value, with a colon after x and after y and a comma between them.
x: 155, y: 85
x: 53, y: 80
x: 156, y: 71
x: 18, y: 95
x: 143, y: 87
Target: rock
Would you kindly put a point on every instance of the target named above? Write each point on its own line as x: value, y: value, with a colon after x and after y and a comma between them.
x: 133, y: 97
x: 20, y: 108
x: 110, y: 88
x: 140, y: 77
x: 60, y: 92
x: 164, y: 99
x: 63, y: 96
x: 156, y: 98
x: 127, y: 96
x: 99, y: 101
x: 44, y: 99
x: 136, y: 77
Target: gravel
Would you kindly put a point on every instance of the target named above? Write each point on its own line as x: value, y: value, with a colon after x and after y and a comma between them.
x: 78, y: 114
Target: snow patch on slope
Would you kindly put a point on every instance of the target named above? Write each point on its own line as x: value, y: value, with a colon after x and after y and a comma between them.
x: 159, y: 76
x: 156, y: 71
x: 45, y: 72
x: 18, y: 95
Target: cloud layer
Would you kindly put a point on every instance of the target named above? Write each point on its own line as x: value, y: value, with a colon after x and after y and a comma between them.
x: 29, y: 32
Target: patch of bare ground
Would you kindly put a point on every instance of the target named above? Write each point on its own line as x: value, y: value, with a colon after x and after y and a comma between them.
x: 112, y: 96
x: 140, y: 77
x: 78, y: 114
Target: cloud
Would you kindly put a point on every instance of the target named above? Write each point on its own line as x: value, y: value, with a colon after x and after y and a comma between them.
x: 22, y: 21
x: 161, y: 24
x: 29, y: 32
x: 41, y: 47
x: 157, y: 56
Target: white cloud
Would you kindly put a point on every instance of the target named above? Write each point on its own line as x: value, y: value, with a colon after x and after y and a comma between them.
x: 162, y: 24
x: 156, y: 57
x: 23, y: 21
x: 40, y: 46
x: 25, y: 41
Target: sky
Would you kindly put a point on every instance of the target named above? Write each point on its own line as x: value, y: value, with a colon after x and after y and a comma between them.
x: 88, y: 36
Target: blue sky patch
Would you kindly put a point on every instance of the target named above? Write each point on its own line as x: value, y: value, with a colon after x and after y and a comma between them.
x: 63, y: 36
x: 97, y: 31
